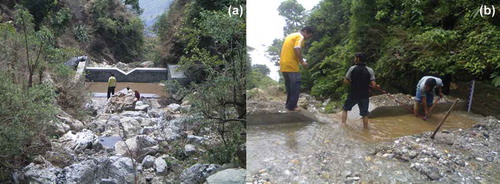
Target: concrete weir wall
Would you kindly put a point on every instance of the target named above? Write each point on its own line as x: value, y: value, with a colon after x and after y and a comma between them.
x: 136, y: 75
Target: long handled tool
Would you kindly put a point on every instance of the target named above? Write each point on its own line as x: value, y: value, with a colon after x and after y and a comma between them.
x: 433, y: 106
x: 444, y: 118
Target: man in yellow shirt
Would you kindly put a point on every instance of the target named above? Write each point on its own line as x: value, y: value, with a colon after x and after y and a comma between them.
x: 111, y: 85
x: 291, y: 56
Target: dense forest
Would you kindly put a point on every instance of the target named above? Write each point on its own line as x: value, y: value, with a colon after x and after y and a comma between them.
x: 404, y: 40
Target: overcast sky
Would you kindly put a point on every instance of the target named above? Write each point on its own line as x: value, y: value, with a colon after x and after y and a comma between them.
x: 264, y: 24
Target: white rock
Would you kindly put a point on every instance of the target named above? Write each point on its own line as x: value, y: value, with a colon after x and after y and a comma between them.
x: 189, y: 149
x: 160, y: 166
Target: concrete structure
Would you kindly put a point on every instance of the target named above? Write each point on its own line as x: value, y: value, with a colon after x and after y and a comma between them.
x: 97, y: 74
x: 176, y: 74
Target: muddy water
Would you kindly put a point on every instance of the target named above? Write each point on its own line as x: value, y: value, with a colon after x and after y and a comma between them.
x: 102, y: 87
x: 389, y: 128
x: 316, y: 152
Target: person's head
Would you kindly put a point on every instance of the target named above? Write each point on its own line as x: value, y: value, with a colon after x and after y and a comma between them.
x: 359, y: 57
x: 307, y: 32
x: 429, y: 84
x: 112, y: 74
x: 128, y: 88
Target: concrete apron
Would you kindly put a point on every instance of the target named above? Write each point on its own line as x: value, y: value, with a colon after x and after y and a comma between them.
x: 377, y: 110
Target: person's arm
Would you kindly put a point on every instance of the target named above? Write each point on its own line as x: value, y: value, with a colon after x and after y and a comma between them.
x: 347, y: 78
x: 440, y: 88
x: 374, y: 85
x: 298, y: 53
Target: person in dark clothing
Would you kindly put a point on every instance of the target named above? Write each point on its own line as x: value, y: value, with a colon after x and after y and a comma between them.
x: 361, y: 78
x: 137, y: 95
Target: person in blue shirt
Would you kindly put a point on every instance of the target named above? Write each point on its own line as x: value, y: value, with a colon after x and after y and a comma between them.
x: 425, y: 94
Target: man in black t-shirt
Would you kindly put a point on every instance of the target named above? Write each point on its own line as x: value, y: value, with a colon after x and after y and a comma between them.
x: 361, y: 78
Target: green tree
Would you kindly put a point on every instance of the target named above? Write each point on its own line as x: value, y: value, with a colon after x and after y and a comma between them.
x: 294, y: 14
x: 261, y: 68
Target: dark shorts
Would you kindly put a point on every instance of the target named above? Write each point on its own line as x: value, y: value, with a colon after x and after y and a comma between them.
x: 362, y: 104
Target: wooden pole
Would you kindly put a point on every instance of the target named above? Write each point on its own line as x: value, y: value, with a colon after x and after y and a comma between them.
x: 444, y: 118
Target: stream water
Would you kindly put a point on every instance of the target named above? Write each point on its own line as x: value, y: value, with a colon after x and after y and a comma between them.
x: 318, y: 152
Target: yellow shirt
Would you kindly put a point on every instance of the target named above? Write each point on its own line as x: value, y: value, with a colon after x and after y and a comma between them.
x: 288, y: 59
x: 111, y: 81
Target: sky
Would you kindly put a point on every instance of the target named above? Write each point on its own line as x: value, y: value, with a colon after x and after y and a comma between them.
x: 264, y: 24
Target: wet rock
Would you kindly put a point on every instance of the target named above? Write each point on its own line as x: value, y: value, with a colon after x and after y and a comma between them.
x: 80, y: 141
x: 160, y: 166
x: 197, y: 174
x: 189, y: 149
x: 445, y: 138
x: 228, y: 176
x: 148, y: 161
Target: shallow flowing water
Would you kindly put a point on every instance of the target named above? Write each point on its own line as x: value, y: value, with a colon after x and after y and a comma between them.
x: 328, y: 152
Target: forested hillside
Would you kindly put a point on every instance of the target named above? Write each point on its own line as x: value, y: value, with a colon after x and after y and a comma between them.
x: 404, y: 40
x: 104, y: 29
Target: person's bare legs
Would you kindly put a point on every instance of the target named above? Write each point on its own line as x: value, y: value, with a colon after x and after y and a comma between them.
x: 344, y: 117
x: 365, y: 122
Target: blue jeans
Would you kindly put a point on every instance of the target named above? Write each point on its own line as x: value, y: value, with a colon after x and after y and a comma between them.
x: 428, y: 95
x: 292, y: 84
x: 362, y: 104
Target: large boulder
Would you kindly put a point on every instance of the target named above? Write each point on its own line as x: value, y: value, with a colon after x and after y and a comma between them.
x: 80, y: 141
x: 87, y: 171
x: 66, y: 118
x: 39, y: 173
x: 140, y: 145
x: 228, y: 176
x: 130, y: 125
x: 198, y: 173
x: 120, y: 102
x: 160, y: 166
x: 148, y: 161
x: 122, y: 169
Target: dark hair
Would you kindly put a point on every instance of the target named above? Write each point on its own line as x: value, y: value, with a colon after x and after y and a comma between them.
x: 361, y: 56
x: 430, y: 82
x: 308, y: 29
x: 128, y: 88
x: 112, y: 74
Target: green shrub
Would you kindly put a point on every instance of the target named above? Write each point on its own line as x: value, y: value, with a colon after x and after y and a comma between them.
x: 24, y: 117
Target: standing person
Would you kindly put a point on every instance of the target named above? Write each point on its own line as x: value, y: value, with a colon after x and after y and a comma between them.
x: 425, y: 94
x: 361, y: 78
x: 137, y: 95
x: 111, y: 85
x: 291, y: 56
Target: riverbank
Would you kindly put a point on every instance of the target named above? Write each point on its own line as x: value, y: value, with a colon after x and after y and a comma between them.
x: 131, y: 142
